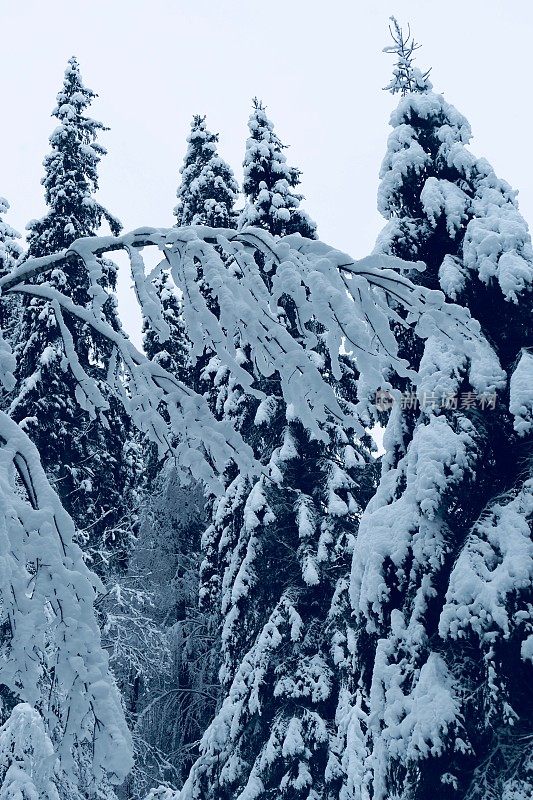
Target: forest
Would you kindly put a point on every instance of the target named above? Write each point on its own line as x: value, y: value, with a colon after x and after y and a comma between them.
x: 284, y: 550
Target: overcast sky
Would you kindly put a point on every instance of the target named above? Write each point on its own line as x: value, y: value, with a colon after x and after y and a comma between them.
x: 317, y: 66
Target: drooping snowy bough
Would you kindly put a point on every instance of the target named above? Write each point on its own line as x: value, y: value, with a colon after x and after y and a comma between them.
x: 51, y: 653
x: 350, y: 299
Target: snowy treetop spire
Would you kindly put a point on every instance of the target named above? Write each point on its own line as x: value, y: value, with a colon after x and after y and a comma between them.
x: 268, y: 182
x: 208, y: 189
x: 406, y: 77
x: 74, y: 93
x: 71, y: 175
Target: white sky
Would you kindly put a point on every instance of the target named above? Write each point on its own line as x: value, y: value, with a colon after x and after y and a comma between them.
x: 317, y: 65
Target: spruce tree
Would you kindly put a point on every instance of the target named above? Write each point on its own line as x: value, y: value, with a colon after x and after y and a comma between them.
x: 279, y: 549
x: 71, y: 174
x: 10, y: 252
x: 438, y: 656
x: 268, y: 182
x: 10, y: 249
x: 208, y: 190
x: 90, y: 456
x: 206, y: 196
x: 274, y: 552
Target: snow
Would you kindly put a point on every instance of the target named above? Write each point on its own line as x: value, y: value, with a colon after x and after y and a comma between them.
x: 28, y: 765
x: 394, y: 526
x: 311, y: 678
x: 265, y: 411
x: 497, y: 244
x: 268, y: 182
x: 420, y: 721
x: 404, y: 155
x: 7, y: 365
x: 10, y: 249
x: 55, y: 624
x: 443, y: 197
x: 495, y: 564
x: 521, y: 394
x: 440, y: 370
x: 452, y: 276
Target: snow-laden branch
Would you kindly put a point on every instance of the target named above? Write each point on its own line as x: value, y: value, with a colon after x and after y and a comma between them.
x: 149, y: 386
x: 51, y: 652
x: 235, y: 288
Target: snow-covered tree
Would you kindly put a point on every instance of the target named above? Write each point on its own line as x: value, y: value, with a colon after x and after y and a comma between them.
x: 10, y: 248
x: 206, y: 196
x: 274, y: 552
x: 89, y: 456
x: 10, y: 252
x: 208, y: 190
x: 268, y: 182
x: 441, y: 584
x: 71, y: 173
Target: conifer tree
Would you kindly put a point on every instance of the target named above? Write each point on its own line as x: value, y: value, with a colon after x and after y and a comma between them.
x: 439, y: 650
x: 273, y: 555
x: 71, y: 173
x: 10, y: 249
x: 268, y: 182
x: 208, y: 190
x: 206, y: 196
x: 274, y: 552
x: 89, y: 455
x: 10, y: 252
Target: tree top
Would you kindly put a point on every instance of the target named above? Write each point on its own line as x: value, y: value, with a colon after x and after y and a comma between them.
x: 406, y: 77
